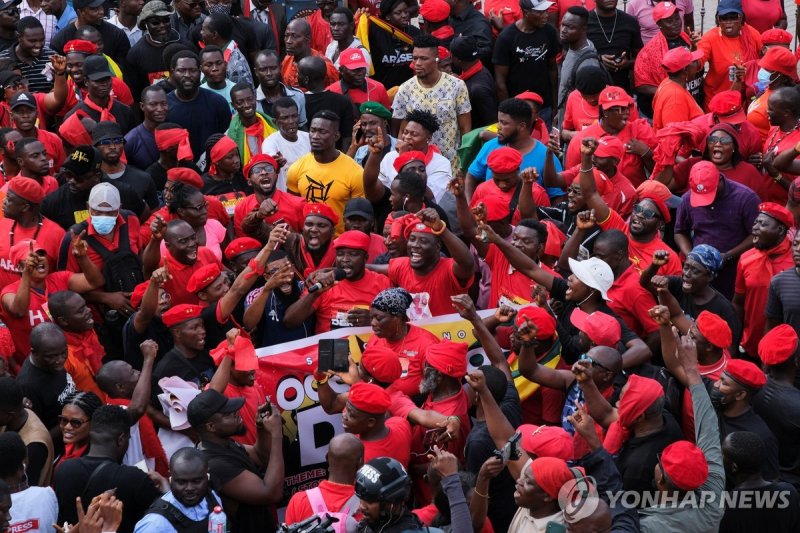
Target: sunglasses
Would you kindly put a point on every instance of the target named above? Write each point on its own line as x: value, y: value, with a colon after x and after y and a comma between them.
x: 647, y: 214
x: 13, y: 10
x: 63, y: 421
x: 113, y: 140
x: 725, y: 141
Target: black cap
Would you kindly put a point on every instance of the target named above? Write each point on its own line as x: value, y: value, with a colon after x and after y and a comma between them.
x: 82, y: 160
x: 208, y: 403
x: 359, y: 207
x: 464, y: 48
x: 96, y: 68
x: 6, y: 5
x: 82, y: 4
x: 106, y: 130
x: 7, y: 77
x: 21, y: 99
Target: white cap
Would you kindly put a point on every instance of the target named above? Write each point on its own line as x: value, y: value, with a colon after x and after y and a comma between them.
x: 594, y: 273
x: 104, y: 193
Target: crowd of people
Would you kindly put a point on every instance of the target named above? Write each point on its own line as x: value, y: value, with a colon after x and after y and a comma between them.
x: 607, y: 199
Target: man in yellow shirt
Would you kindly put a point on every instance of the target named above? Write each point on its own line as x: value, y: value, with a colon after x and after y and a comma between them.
x: 326, y: 175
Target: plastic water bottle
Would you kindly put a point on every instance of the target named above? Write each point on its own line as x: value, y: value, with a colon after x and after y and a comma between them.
x: 217, y: 521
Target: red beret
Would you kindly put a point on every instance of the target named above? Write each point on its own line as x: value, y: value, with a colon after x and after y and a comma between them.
x: 187, y: 176
x: 20, y: 251
x: 544, y: 321
x: 203, y: 277
x: 257, y: 159
x: 321, y: 210
x: 180, y: 313
x: 138, y: 294
x: 382, y: 364
x: 80, y: 45
x: 550, y: 473
x: 778, y: 345
x: 658, y: 193
x: 497, y: 207
x: 714, y: 329
x: 601, y: 328
x: 504, y: 160
x: 434, y: 10
x: 26, y: 188
x: 601, y: 181
x: 613, y: 96
x: 448, y: 357
x: 685, y: 465
x: 776, y: 211
x: 779, y: 59
x: 776, y: 36
x: 354, y: 239
x: 443, y: 53
x: 727, y: 106
x: 406, y: 158
x: 546, y: 441
x: 240, y: 246
x: 609, y: 146
x: 746, y: 373
x: 530, y: 96
x: 414, y: 225
x: 369, y: 398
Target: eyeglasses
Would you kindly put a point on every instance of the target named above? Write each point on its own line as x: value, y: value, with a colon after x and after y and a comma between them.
x: 725, y: 141
x: 600, y: 365
x: 647, y: 214
x: 63, y: 421
x: 263, y: 169
x: 13, y: 10
x: 200, y: 207
x: 113, y: 140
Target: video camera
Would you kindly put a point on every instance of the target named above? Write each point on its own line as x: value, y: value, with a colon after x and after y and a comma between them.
x: 313, y: 524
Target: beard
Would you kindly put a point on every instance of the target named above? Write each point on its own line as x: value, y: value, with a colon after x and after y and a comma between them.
x: 430, y: 382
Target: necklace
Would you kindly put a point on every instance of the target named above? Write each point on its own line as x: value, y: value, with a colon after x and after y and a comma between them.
x: 35, y: 233
x: 773, y: 142
x: 613, y: 28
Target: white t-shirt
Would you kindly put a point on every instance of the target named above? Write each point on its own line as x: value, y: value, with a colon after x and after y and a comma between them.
x: 291, y: 151
x: 34, y: 510
x: 438, y: 170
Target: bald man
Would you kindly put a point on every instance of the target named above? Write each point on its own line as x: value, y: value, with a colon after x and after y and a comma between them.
x: 298, y: 46
x: 312, y: 78
x: 345, y: 456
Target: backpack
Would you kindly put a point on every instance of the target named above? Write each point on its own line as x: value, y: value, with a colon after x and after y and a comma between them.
x: 180, y: 521
x: 346, y: 523
x: 583, y: 55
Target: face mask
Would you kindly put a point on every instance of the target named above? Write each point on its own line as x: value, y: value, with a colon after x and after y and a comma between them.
x: 717, y: 399
x: 103, y: 225
x: 764, y: 76
x: 219, y: 9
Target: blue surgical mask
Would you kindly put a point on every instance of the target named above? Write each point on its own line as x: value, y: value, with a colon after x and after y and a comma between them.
x: 103, y: 224
x: 764, y: 76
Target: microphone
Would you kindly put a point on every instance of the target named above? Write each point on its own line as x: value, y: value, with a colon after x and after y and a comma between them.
x: 338, y: 275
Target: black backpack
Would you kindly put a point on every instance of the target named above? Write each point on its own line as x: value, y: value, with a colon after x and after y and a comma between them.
x: 180, y: 521
x: 122, y: 269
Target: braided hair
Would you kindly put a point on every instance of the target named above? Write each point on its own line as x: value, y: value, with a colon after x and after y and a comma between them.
x: 180, y: 197
x: 88, y: 402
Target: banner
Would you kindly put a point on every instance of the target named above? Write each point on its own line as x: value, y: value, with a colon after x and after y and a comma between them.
x: 286, y: 375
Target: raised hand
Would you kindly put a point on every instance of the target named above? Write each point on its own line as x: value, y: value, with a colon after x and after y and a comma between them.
x: 464, y: 306
x: 505, y: 313
x: 529, y: 175
x: 149, y: 349
x: 661, y: 257
x: 660, y: 315
x: 157, y: 227
x: 456, y: 186
x: 79, y: 246
x: 160, y: 276
x: 586, y: 220
x: 588, y: 146
x: 59, y: 64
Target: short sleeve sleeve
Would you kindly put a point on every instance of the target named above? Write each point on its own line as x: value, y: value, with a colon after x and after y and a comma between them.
x: 774, y: 308
x: 463, y: 104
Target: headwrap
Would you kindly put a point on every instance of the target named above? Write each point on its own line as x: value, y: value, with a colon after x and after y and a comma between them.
x: 73, y: 131
x: 415, y: 225
x: 449, y: 358
x: 187, y: 176
x: 546, y: 441
x: 746, y: 374
x: 369, y: 398
x: 242, y: 352
x: 778, y: 345
x: 555, y: 239
x: 550, y: 473
x: 394, y: 301
x: 640, y: 394
x: 374, y: 108
x: 685, y: 465
x: 407, y: 157
x: 219, y: 151
x: 138, y: 294
x: 714, y: 329
x: 382, y: 364
x: 258, y: 159
x: 708, y: 256
x: 399, y: 225
x: 166, y: 139
x: 544, y: 321
x: 435, y: 10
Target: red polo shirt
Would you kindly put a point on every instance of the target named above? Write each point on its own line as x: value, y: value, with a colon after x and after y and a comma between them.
x: 396, y: 444
x: 411, y: 352
x: 632, y: 302
x: 333, y: 304
x: 176, y: 287
x: 129, y: 222
x: 290, y: 208
x: 432, y: 291
x: 48, y: 236
x: 375, y: 92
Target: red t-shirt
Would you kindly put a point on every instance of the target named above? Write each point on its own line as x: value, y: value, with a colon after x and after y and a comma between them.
x: 333, y: 304
x: 176, y: 287
x: 377, y: 246
x: 215, y: 210
x: 411, y: 351
x: 37, y: 311
x: 335, y: 496
x: 253, y: 397
x: 489, y: 188
x: 290, y: 208
x: 455, y: 405
x: 632, y: 302
x: 508, y: 284
x: 631, y: 165
x: 375, y: 92
x: 132, y: 223
x: 396, y: 444
x: 777, y: 142
x: 622, y: 195
x: 432, y: 291
x: 578, y: 113
x: 673, y: 103
x: 641, y: 254
x: 49, y: 237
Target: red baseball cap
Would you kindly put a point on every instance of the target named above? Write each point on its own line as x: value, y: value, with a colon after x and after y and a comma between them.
x: 19, y: 252
x: 601, y: 181
x: 703, y: 184
x: 353, y: 58
x: 663, y: 10
x: 727, y: 107
x: 610, y: 146
x: 679, y: 58
x: 613, y: 96
x: 602, y: 329
x: 781, y: 60
x: 658, y: 193
x: 544, y: 321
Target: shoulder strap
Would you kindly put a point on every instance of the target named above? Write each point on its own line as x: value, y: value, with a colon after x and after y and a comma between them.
x: 316, y: 501
x: 583, y: 55
x: 515, y: 199
x: 99, y: 468
x: 350, y: 507
x: 171, y: 513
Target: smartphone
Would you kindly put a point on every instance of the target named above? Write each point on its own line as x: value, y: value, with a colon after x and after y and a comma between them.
x: 511, y: 450
x: 333, y: 354
x: 359, y: 135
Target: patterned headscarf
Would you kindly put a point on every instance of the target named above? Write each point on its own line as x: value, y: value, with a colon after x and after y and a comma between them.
x: 395, y: 301
x: 708, y: 256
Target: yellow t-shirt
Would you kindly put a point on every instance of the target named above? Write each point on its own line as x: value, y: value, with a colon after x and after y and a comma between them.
x: 331, y: 183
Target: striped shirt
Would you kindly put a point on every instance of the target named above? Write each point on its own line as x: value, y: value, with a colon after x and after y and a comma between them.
x: 37, y: 82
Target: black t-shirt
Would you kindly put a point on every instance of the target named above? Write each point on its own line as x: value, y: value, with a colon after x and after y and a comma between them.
x: 133, y: 487
x: 198, y: 370
x: 131, y: 339
x: 331, y: 101
x: 719, y: 305
x: 527, y: 57
x: 140, y: 182
x: 208, y: 113
x: 390, y: 58
x: 67, y: 209
x: 45, y: 390
x: 779, y: 406
x: 479, y: 448
x: 224, y: 464
x: 271, y: 329
x: 750, y: 421
x: 5, y: 44
x: 614, y: 35
x: 638, y: 456
x: 115, y: 43
x: 237, y: 184
x: 481, y: 89
x: 568, y: 220
x: 783, y: 516
x: 145, y: 64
